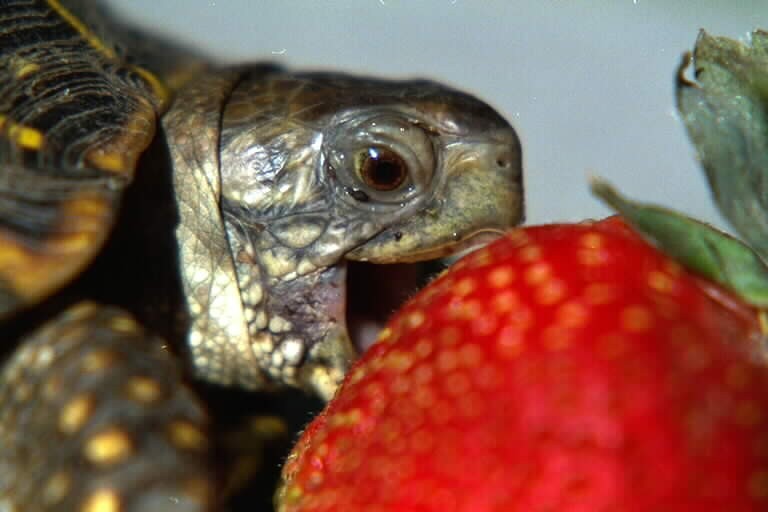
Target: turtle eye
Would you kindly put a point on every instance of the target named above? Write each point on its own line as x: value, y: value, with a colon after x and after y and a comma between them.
x: 382, y: 169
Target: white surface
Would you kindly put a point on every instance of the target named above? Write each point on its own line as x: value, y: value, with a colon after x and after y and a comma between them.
x: 587, y: 84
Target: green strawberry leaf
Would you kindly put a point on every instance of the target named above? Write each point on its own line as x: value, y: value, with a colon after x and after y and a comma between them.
x: 726, y: 114
x: 697, y: 246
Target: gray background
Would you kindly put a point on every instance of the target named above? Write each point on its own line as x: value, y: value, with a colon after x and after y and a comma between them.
x: 587, y: 84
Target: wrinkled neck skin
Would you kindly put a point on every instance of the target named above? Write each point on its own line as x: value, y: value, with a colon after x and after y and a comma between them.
x: 272, y: 201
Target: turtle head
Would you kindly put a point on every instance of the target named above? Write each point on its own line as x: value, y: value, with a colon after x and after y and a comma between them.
x: 318, y: 169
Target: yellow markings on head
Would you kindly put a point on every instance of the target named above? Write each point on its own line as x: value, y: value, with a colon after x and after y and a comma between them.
x: 109, y: 447
x: 81, y: 29
x: 636, y: 319
x: 144, y: 390
x: 24, y: 136
x: 103, y: 500
x: 185, y: 435
x: 75, y: 414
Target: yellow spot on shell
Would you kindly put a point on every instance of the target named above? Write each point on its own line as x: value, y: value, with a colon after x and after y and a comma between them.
x: 113, y: 162
x: 186, y: 435
x: 75, y: 413
x: 143, y: 389
x: 109, y: 447
x: 636, y: 319
x: 103, y: 500
x: 124, y: 324
x: 56, y: 489
x: 22, y: 135
x: 98, y: 360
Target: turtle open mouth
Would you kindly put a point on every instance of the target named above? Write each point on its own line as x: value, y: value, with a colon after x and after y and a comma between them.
x: 376, y: 291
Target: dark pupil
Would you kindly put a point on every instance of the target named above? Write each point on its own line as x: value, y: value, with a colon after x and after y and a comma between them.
x: 383, y: 169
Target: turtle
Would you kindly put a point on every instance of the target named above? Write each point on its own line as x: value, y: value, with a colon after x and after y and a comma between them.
x: 173, y: 229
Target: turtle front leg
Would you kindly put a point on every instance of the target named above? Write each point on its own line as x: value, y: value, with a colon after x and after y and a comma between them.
x: 95, y: 417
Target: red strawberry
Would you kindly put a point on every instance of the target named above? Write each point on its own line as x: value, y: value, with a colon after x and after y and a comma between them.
x: 563, y: 368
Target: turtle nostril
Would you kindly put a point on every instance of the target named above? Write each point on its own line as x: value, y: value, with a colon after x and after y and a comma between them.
x: 504, y: 160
